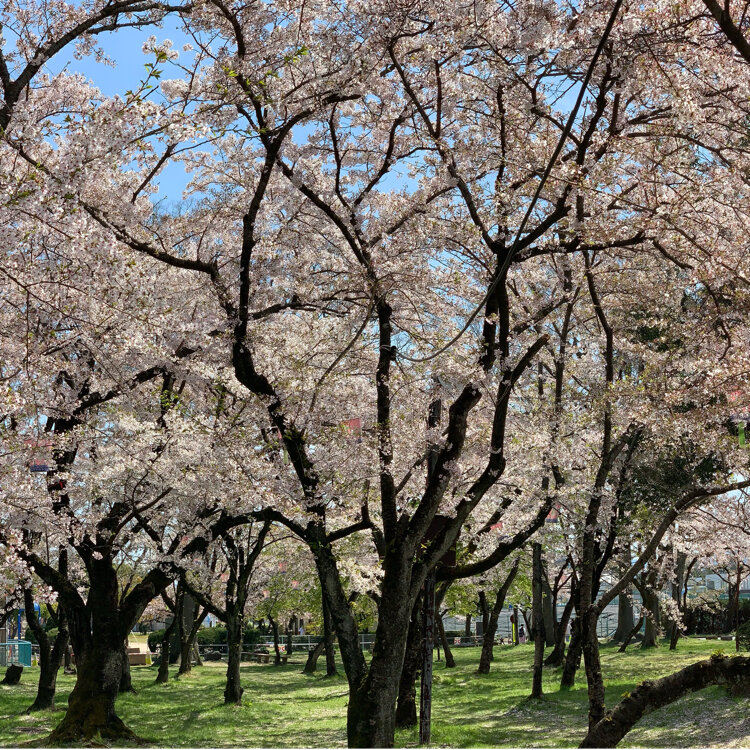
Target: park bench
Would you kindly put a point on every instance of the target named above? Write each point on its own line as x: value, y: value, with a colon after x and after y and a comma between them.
x: 137, y: 658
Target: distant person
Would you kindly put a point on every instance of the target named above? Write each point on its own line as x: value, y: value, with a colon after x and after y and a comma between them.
x: 521, y: 634
x: 301, y: 629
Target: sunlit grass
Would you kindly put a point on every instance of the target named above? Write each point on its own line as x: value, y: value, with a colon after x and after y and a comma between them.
x: 284, y: 708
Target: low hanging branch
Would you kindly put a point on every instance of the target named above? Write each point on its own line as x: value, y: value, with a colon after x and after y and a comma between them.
x: 651, y: 694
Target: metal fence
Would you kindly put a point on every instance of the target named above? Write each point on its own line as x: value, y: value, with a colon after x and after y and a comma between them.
x: 15, y: 652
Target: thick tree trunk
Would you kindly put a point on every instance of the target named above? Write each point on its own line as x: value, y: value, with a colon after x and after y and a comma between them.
x: 573, y: 657
x: 91, y: 705
x: 537, y: 621
x: 650, y: 694
x: 625, y: 617
x: 371, y: 714
x: 162, y: 676
x: 372, y: 699
x: 97, y: 632
x: 312, y: 658
x: 406, y: 705
x: 467, y: 627
x: 233, y: 690
x: 555, y: 659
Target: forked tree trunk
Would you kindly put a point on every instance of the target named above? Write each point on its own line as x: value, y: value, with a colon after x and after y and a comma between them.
x: 233, y: 690
x: 97, y: 632
x: 651, y: 694
x: 555, y: 659
x: 488, y: 641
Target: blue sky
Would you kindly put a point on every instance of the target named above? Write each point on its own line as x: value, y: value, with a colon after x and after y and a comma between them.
x: 124, y: 48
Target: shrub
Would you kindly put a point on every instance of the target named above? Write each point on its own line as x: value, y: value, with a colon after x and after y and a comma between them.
x: 743, y: 636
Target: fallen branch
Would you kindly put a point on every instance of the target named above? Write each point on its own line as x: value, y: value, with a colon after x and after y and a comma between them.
x: 651, y: 694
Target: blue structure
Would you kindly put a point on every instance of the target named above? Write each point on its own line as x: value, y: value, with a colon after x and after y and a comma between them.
x: 15, y: 652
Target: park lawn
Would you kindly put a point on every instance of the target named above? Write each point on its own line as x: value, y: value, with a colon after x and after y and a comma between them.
x: 284, y: 708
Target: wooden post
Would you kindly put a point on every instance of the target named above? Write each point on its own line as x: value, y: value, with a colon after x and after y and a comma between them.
x: 425, y: 693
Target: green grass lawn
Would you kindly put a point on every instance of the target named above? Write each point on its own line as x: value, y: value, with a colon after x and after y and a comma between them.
x: 284, y: 708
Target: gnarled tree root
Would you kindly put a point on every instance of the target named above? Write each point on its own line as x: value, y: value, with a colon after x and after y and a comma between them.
x: 733, y: 671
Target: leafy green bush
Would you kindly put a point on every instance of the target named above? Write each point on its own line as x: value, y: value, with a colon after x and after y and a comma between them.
x: 743, y: 636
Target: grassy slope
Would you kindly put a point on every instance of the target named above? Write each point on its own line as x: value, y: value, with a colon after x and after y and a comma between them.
x: 283, y: 708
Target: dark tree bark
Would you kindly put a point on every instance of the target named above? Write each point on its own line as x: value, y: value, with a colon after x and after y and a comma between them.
x: 328, y: 638
x: 98, y: 628
x: 276, y: 647
x: 555, y: 659
x: 406, y: 706
x: 450, y: 661
x: 625, y: 617
x: 12, y: 675
x: 162, y: 676
x: 126, y: 682
x: 467, y: 627
x: 312, y: 658
x: 633, y: 632
x: 651, y: 694
x: 537, y: 620
x: 233, y: 689
x: 50, y: 656
x: 488, y: 641
x: 190, y: 620
x: 677, y: 586
x: 549, y: 614
x: 573, y: 657
x: 650, y: 603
